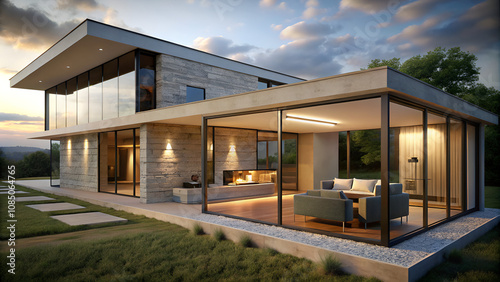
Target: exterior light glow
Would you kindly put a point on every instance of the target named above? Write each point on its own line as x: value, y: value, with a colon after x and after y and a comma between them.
x: 169, y: 147
x: 232, y: 148
x: 311, y: 120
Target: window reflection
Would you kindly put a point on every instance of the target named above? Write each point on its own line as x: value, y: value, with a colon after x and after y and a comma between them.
x: 110, y: 90
x: 95, y: 95
x: 52, y: 113
x: 61, y: 105
x: 71, y: 102
x: 147, y: 82
x: 126, y: 85
x: 83, y: 98
x: 194, y: 94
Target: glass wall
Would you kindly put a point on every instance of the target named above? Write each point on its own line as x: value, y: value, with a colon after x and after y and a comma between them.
x: 119, y: 153
x: 55, y: 163
x: 71, y: 108
x: 431, y: 161
x: 105, y: 92
x: 61, y: 105
x: 110, y: 90
x: 240, y: 188
x: 126, y: 85
x: 147, y: 87
x: 83, y: 98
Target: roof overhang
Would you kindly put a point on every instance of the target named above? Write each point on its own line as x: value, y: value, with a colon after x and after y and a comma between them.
x: 79, y: 50
x: 349, y: 86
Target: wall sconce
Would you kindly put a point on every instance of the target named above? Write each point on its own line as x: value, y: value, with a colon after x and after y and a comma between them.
x: 86, y: 144
x: 211, y: 147
x: 169, y: 147
x: 69, y: 144
x: 232, y: 148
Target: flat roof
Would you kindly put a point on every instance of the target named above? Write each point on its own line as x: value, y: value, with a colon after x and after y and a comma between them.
x: 349, y: 86
x: 79, y: 51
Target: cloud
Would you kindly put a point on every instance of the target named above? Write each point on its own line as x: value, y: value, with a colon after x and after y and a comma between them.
x: 267, y: 3
x: 220, y: 46
x: 18, y: 117
x: 304, y: 29
x: 7, y: 71
x: 83, y: 5
x: 415, y: 10
x: 475, y: 30
x: 308, y: 58
x: 367, y: 6
x: 29, y: 28
x: 312, y: 10
x: 277, y: 27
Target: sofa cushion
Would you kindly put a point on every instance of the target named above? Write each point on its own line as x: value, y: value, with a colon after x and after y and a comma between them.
x: 316, y: 193
x: 342, y: 184
x: 330, y: 194
x: 363, y: 185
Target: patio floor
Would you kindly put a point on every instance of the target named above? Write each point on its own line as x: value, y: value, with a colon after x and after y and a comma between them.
x: 407, y: 261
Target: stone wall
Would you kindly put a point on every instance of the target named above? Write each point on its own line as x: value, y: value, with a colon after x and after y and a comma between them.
x: 79, y: 162
x: 163, y: 169
x: 174, y: 74
x: 244, y: 156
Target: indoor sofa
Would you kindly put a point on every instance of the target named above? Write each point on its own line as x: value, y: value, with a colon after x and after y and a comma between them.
x: 332, y: 205
x: 356, y: 188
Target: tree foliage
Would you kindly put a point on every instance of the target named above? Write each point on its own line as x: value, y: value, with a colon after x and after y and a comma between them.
x: 3, y: 166
x: 34, y: 165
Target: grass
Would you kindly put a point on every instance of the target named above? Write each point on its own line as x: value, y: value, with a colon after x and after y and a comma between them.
x: 32, y: 222
x: 331, y: 266
x: 479, y: 261
x: 219, y: 235
x: 246, y: 241
x: 197, y: 229
x: 160, y: 252
x: 492, y: 197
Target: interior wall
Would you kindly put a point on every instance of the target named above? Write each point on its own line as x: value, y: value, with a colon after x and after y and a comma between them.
x: 318, y: 159
x: 471, y: 166
x: 244, y: 156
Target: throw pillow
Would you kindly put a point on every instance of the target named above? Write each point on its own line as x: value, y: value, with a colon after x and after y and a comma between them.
x: 342, y: 195
x: 342, y: 184
x: 363, y: 185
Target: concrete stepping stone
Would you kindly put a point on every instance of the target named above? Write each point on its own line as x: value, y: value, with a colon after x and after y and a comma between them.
x: 17, y: 192
x: 88, y: 218
x: 33, y: 198
x: 55, y: 207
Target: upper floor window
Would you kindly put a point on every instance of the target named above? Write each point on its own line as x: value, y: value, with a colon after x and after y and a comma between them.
x: 194, y: 94
x: 111, y: 90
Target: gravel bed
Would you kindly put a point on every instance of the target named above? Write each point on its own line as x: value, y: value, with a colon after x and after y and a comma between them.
x: 404, y: 254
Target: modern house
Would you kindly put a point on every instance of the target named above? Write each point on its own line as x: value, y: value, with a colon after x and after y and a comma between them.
x: 138, y: 116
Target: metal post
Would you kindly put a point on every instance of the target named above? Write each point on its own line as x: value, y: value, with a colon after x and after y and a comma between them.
x: 384, y: 171
x: 278, y: 176
x: 425, y: 174
x: 204, y: 177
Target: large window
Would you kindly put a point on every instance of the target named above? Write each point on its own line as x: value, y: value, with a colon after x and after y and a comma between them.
x: 194, y: 94
x: 105, y: 92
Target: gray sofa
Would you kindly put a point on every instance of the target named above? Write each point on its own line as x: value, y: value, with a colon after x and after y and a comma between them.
x: 324, y: 204
x: 370, y: 207
x: 328, y: 185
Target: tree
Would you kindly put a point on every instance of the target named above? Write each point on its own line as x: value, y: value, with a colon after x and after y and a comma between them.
x: 452, y: 70
x: 34, y: 165
x: 3, y: 166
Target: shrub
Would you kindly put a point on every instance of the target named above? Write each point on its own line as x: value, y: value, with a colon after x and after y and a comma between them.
x: 246, y: 241
x: 331, y: 265
x: 219, y: 235
x: 455, y: 256
x: 197, y: 229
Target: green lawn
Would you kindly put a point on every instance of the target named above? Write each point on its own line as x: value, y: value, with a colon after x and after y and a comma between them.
x: 479, y: 261
x: 142, y: 249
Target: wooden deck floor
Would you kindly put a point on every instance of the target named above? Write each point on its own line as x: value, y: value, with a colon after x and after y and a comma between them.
x: 266, y: 209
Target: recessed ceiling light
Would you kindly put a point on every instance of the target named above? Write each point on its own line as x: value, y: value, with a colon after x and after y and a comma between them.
x: 100, y: 49
x: 39, y: 81
x: 67, y: 67
x: 310, y: 120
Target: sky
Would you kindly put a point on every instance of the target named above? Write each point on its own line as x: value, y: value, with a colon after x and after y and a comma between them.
x: 304, y: 38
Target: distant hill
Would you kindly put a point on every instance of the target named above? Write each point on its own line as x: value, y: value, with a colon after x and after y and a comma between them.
x: 18, y: 152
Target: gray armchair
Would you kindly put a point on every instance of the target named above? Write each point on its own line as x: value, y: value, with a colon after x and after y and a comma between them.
x: 370, y: 207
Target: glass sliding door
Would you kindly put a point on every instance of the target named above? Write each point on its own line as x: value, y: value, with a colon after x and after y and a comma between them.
x: 119, y: 162
x: 241, y: 188
x: 437, y: 158
x: 456, y: 131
